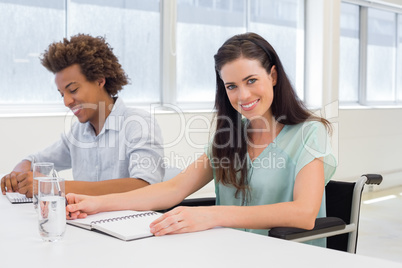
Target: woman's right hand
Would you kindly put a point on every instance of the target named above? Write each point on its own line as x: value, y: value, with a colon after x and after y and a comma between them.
x: 80, y: 206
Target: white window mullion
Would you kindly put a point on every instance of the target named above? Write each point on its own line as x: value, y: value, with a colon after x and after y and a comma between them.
x: 363, y: 55
x: 383, y: 5
x: 322, y: 52
x: 398, y: 80
x: 66, y: 28
x: 168, y: 49
x: 247, y: 14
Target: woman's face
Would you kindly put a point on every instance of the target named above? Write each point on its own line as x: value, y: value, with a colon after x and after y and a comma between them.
x: 249, y: 87
x: 81, y: 96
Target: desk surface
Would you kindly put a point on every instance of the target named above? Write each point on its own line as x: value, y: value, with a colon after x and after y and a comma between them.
x: 21, y: 246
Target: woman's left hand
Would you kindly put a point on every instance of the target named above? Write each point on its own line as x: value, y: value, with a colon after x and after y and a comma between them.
x: 183, y: 220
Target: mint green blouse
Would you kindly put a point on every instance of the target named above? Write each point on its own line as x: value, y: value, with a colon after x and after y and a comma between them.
x: 272, y: 174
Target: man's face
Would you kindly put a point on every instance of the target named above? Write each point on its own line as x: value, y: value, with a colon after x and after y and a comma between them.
x: 81, y: 96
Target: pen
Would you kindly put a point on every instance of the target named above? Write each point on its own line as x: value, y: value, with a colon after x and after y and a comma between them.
x: 55, y: 175
x: 69, y: 213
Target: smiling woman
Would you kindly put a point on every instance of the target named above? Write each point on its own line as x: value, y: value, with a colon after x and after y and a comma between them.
x: 252, y: 82
x: 249, y: 90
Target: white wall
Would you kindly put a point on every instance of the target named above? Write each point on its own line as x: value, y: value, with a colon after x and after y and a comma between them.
x: 184, y: 135
x: 369, y: 140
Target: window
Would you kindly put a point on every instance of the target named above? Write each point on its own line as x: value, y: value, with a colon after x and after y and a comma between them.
x: 381, y: 56
x: 27, y: 28
x: 370, y: 54
x: 349, y: 53
x: 136, y: 31
x: 203, y: 25
x: 132, y: 28
x: 282, y: 24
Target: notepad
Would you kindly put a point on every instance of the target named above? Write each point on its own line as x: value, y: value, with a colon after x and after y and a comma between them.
x: 17, y: 198
x: 125, y: 224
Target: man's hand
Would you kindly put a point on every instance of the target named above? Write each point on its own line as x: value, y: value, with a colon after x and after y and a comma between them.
x: 17, y: 182
x: 9, y: 183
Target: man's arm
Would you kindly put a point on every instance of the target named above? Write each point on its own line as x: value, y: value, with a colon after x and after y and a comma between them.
x: 23, y: 166
x: 21, y: 178
x: 104, y: 187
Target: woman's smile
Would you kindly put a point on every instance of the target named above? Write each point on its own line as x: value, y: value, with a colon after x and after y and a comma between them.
x: 249, y: 106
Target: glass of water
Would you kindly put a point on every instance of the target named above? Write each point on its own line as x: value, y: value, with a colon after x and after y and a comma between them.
x: 51, y: 208
x: 41, y: 170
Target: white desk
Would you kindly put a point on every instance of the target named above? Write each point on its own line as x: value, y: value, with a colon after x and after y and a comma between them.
x: 21, y: 246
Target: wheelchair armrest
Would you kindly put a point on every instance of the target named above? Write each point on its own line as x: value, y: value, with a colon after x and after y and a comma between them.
x: 194, y: 202
x: 322, y: 225
x: 373, y: 178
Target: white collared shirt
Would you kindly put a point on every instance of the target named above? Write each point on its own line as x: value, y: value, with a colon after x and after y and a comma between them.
x: 130, y: 144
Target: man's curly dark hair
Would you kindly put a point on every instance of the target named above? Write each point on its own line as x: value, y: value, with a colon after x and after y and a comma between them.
x: 92, y: 54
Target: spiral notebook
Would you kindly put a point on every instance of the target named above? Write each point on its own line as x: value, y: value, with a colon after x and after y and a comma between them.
x: 125, y: 224
x: 17, y: 198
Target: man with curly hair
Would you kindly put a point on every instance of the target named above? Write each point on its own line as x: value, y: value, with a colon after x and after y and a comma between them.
x: 112, y: 148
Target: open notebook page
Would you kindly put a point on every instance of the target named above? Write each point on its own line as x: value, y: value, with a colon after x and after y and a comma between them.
x: 125, y: 224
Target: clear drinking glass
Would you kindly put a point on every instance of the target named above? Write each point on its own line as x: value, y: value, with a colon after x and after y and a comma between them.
x: 41, y: 170
x: 51, y: 208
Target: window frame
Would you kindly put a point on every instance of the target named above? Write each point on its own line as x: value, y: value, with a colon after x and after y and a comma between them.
x: 363, y: 45
x: 168, y: 72
x: 169, y: 64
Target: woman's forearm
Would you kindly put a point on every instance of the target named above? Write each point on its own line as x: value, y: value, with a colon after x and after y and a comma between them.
x: 104, y: 187
x: 153, y: 197
x: 288, y: 214
x: 163, y: 195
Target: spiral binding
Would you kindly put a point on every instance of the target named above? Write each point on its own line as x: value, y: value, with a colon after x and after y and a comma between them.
x: 138, y: 215
x: 22, y: 200
x: 18, y: 200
